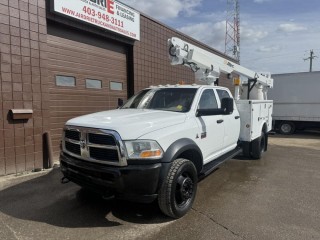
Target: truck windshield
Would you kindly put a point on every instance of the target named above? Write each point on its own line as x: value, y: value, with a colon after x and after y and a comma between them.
x: 166, y: 99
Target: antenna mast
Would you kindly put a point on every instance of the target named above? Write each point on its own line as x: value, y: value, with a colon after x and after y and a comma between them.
x: 232, y: 37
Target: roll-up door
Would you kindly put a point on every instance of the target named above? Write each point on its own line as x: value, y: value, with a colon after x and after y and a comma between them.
x: 83, y: 79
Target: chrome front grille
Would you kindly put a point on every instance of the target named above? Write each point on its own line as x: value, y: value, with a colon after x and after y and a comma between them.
x: 101, y: 153
x: 94, y: 145
x: 73, y: 135
x: 73, y: 148
x: 102, y: 139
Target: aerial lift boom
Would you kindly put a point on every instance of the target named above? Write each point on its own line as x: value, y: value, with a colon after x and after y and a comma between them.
x: 211, y: 65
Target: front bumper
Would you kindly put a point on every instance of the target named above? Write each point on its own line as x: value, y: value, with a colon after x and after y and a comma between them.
x: 138, y: 183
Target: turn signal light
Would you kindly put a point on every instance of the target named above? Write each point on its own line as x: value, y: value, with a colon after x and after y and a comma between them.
x: 148, y: 154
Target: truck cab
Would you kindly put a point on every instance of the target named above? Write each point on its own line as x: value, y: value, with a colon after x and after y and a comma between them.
x: 156, y: 146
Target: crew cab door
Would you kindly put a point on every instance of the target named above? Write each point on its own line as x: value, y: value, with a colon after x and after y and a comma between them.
x: 231, y: 124
x: 211, y: 128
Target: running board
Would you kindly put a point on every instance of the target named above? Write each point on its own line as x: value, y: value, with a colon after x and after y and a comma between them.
x: 213, y: 165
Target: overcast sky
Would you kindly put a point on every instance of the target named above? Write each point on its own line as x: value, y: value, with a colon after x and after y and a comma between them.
x: 276, y: 35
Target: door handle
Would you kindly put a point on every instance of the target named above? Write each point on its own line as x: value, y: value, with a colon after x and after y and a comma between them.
x: 219, y: 121
x: 236, y: 117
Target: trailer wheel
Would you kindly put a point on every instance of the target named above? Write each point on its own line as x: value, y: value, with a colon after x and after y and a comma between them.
x: 287, y: 128
x: 258, y: 146
x: 178, y: 190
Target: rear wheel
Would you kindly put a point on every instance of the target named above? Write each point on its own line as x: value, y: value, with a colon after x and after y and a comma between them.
x: 287, y: 128
x: 178, y: 190
x: 259, y: 146
x: 246, y: 149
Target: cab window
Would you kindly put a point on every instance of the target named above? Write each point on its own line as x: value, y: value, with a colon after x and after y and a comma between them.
x: 222, y: 94
x: 208, y: 100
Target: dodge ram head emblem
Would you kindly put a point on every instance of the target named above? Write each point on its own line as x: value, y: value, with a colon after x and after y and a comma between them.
x: 82, y: 144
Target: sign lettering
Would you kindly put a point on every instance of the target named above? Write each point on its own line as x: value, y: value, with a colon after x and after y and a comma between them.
x: 108, y: 14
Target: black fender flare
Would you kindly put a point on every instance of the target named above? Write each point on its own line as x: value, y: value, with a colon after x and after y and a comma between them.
x: 179, y: 147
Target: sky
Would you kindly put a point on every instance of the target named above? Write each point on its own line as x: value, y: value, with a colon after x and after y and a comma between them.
x: 276, y: 35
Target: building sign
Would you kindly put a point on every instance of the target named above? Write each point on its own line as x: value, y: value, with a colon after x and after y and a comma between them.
x: 108, y: 14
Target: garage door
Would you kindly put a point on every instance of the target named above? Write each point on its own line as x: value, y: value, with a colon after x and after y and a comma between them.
x: 83, y: 79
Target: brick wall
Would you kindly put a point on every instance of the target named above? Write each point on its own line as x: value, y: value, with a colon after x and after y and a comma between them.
x: 23, y: 83
x: 151, y: 61
x: 24, y: 76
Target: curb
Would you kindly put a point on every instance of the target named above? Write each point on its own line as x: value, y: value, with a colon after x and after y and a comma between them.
x: 14, y: 179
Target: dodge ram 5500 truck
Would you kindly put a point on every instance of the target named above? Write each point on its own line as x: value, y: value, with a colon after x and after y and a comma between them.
x: 165, y: 138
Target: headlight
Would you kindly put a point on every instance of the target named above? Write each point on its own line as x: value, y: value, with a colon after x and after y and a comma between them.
x: 143, y: 149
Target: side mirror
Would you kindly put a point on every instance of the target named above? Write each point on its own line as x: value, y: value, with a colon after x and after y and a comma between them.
x: 227, y: 105
x: 120, y: 102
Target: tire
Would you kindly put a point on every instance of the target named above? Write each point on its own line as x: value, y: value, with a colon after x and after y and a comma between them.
x: 258, y: 146
x: 246, y: 148
x: 179, y: 188
x: 287, y: 128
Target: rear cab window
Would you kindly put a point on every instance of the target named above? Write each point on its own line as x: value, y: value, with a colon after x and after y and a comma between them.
x: 223, y: 94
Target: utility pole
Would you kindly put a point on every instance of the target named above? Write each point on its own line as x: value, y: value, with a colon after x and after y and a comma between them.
x: 312, y: 56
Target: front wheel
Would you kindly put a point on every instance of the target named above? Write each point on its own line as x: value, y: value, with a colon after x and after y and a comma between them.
x: 179, y: 188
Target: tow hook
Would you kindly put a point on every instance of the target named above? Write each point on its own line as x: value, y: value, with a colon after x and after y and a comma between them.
x: 64, y: 180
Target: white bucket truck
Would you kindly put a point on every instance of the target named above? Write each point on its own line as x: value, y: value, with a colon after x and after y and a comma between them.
x: 165, y: 138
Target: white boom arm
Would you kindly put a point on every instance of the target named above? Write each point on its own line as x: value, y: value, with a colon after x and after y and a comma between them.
x: 184, y: 53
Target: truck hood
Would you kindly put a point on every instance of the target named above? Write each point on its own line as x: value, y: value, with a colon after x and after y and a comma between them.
x: 129, y: 123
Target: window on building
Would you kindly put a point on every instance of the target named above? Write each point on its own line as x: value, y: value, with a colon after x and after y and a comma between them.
x: 65, y: 81
x: 92, y: 83
x: 116, y: 86
x: 208, y: 100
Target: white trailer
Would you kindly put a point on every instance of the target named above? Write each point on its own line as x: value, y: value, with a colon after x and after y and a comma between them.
x: 296, y: 101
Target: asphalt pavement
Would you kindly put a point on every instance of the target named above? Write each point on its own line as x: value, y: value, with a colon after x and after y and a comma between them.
x: 277, y: 197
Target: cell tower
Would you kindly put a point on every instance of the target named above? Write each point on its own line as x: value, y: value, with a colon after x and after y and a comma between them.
x: 232, y: 38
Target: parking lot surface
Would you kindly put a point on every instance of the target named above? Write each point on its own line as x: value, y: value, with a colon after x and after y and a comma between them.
x: 277, y: 197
